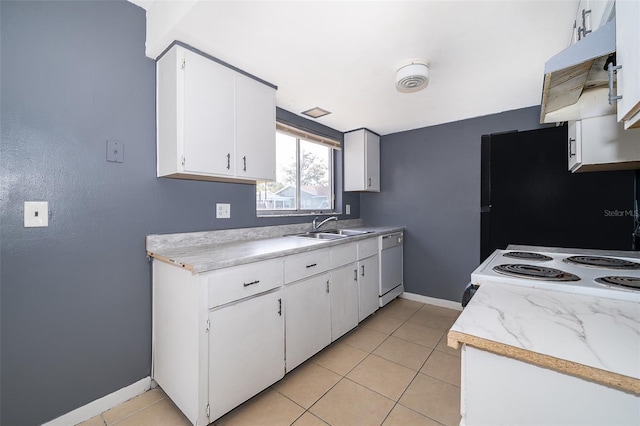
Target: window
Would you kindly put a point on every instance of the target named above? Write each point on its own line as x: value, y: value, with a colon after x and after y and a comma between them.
x: 304, y: 174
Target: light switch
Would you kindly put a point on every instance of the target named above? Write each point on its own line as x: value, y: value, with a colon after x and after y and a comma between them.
x: 36, y: 214
x: 115, y: 151
x: 223, y: 211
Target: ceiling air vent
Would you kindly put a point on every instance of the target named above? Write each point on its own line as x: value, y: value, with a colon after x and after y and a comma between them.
x: 413, y: 77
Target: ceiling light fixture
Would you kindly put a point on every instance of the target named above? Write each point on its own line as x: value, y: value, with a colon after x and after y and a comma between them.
x: 316, y: 112
x: 413, y: 77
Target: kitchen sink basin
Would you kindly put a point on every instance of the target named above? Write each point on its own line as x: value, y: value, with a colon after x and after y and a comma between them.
x: 321, y: 235
x: 332, y: 234
x: 346, y: 232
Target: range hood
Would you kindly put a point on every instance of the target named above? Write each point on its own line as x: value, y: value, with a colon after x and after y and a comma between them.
x: 575, y: 81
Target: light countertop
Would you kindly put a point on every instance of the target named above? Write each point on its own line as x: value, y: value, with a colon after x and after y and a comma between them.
x: 203, y: 257
x: 590, y: 337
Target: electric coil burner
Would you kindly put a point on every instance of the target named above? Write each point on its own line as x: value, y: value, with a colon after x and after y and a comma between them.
x: 611, y: 274
x: 527, y: 255
x: 603, y: 262
x: 616, y: 281
x: 535, y: 272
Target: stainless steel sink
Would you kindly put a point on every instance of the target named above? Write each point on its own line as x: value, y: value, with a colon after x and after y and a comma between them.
x: 346, y: 232
x: 332, y: 234
x: 321, y: 235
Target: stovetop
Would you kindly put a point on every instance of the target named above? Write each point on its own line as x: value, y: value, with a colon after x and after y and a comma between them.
x: 614, y: 275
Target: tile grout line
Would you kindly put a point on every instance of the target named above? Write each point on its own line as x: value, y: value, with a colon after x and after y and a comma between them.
x: 135, y: 412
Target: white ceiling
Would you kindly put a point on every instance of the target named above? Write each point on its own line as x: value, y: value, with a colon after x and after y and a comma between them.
x: 485, y: 56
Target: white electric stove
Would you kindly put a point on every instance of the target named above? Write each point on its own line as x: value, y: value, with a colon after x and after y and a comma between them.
x: 603, y: 273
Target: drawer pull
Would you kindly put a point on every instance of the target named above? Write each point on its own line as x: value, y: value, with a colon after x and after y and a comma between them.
x: 251, y: 283
x: 327, y: 286
x: 312, y: 265
x: 355, y: 275
x: 280, y: 307
x: 362, y: 270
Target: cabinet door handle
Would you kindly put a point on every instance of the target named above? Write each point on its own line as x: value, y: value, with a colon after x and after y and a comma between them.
x: 362, y: 270
x: 244, y: 159
x: 251, y: 283
x: 312, y: 265
x: 572, y: 153
x: 327, y: 286
x: 611, y: 68
x: 228, y: 161
x: 280, y: 307
x: 355, y: 274
x: 369, y: 182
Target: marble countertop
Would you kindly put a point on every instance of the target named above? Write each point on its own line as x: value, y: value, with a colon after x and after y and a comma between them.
x: 593, y: 338
x: 203, y: 257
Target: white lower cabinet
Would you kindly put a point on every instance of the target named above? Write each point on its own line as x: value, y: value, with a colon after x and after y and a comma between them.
x: 218, y: 337
x: 246, y: 350
x: 344, y: 300
x: 368, y: 286
x: 308, y: 318
x: 499, y: 390
x: 368, y: 277
x: 221, y: 337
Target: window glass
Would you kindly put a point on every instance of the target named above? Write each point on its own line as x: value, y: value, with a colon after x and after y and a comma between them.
x: 304, y: 177
x: 315, y: 192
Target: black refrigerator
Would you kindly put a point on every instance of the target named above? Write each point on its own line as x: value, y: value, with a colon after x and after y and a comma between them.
x: 528, y: 196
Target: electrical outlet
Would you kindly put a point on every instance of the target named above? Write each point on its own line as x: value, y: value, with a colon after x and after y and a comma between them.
x: 36, y: 214
x: 348, y: 209
x: 223, y: 211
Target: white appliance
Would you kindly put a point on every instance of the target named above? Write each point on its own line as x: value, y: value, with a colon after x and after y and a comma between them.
x: 391, y: 260
x: 603, y: 273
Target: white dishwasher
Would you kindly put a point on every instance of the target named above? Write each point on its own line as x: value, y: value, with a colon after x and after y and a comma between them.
x: 391, y: 259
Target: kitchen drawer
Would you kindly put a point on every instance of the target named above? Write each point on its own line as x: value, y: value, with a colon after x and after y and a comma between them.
x: 343, y: 255
x: 367, y: 248
x: 229, y: 284
x: 305, y: 265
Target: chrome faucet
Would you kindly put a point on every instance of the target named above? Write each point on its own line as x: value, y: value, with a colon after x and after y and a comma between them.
x: 317, y: 226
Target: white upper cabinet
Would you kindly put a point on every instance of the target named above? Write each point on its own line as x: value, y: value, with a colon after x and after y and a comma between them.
x: 601, y: 143
x: 213, y: 123
x: 361, y: 161
x: 208, y: 115
x: 255, y: 130
x: 591, y: 15
x: 628, y: 57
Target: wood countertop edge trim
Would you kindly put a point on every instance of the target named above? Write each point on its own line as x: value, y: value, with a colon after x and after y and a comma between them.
x: 170, y: 262
x: 592, y: 374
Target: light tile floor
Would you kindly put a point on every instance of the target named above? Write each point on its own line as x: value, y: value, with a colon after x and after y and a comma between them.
x: 393, y: 369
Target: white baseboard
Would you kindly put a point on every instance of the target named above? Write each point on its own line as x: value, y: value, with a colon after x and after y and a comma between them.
x: 105, y: 403
x: 432, y: 301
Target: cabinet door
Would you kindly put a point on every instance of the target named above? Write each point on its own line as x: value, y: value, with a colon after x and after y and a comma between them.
x: 372, y: 164
x: 628, y: 56
x: 344, y: 300
x: 368, y: 283
x: 208, y: 116
x: 308, y: 322
x: 361, y: 161
x: 255, y: 129
x: 354, y: 165
x: 246, y: 350
x: 601, y: 143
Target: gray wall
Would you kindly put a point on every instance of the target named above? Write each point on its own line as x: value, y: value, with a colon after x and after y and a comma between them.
x: 430, y: 183
x: 76, y: 297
